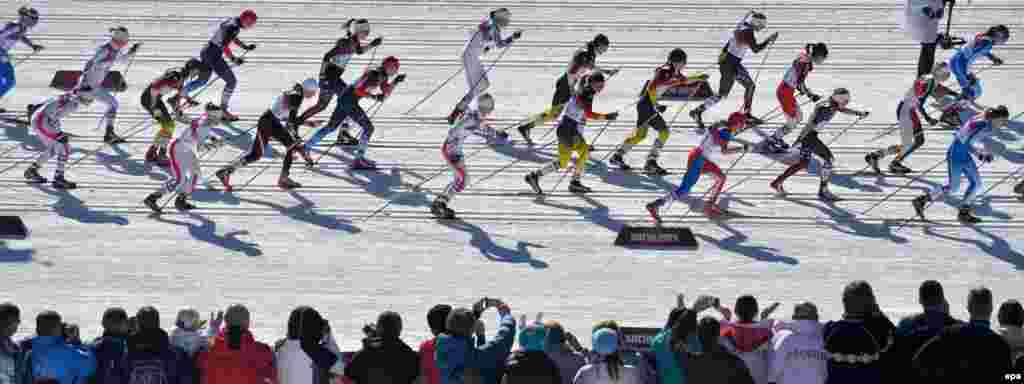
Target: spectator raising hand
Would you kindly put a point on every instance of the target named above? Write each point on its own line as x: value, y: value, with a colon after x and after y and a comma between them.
x: 384, y: 358
x: 455, y: 351
x: 530, y: 364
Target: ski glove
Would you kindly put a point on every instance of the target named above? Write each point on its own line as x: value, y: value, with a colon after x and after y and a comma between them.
x: 986, y: 157
x: 37, y: 47
x: 249, y: 47
x: 380, y: 98
x: 238, y: 60
x: 814, y: 97
x: 400, y: 78
x: 63, y: 138
x: 932, y: 13
x: 134, y: 48
x: 863, y: 114
x: 612, y: 116
x: 376, y: 42
x: 517, y: 34
x: 662, y: 108
x: 997, y: 61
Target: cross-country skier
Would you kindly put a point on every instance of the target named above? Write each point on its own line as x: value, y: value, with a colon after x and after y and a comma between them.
x: 46, y: 121
x: 280, y: 122
x: 730, y: 65
x: 667, y: 77
x: 152, y: 100
x: 348, y: 107
x: 584, y: 61
x: 810, y: 144
x: 704, y: 159
x: 795, y: 80
x: 96, y: 70
x: 960, y: 66
x: 451, y: 151
x: 217, y: 48
x: 486, y: 36
x: 960, y: 162
x: 14, y: 32
x: 333, y: 67
x: 570, y: 134
x: 184, y: 162
x: 921, y: 20
x: 909, y: 112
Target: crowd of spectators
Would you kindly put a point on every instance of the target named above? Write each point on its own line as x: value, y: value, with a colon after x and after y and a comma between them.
x: 742, y: 344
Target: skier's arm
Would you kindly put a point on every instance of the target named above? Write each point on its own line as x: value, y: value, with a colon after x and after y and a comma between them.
x: 854, y: 112
x: 923, y: 98
x: 25, y: 40
x: 294, y: 102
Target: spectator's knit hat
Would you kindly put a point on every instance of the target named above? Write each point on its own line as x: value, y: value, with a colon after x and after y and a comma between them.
x: 148, y: 318
x: 236, y: 315
x: 805, y: 311
x: 605, y: 341
x: 437, y: 316
x: 531, y: 338
x: 460, y: 322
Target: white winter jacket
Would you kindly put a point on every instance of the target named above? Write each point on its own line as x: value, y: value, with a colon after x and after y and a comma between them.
x: 922, y: 29
x: 598, y: 374
x: 798, y: 353
x: 192, y: 341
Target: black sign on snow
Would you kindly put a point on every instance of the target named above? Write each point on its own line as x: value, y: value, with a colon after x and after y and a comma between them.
x: 678, y: 237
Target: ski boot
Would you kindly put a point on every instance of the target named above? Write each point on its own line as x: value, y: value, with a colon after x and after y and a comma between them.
x: 697, y: 115
x: 533, y: 180
x: 524, y: 130
x: 181, y: 203
x: 151, y: 201
x: 753, y: 121
x: 652, y: 168
x: 363, y: 163
x: 440, y: 210
x: 825, y: 195
x: 617, y: 161
x: 652, y: 209
x: 345, y: 138
x: 966, y: 217
x: 898, y: 168
x: 59, y: 182
x: 576, y: 187
x: 112, y: 138
x: 777, y: 187
x: 919, y: 204
x: 455, y: 114
x: 872, y: 160
x: 286, y: 183
x: 228, y: 116
x: 33, y: 176
x: 224, y: 175
x: 776, y: 145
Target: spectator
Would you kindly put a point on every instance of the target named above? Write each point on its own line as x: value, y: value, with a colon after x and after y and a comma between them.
x: 110, y: 348
x: 566, y: 356
x: 72, y: 334
x: 677, y: 337
x: 309, y: 354
x: 530, y: 364
x: 150, y: 357
x: 428, y: 366
x: 750, y: 339
x: 1011, y: 318
x: 234, y: 356
x: 644, y: 364
x: 714, y: 364
x: 52, y: 359
x: 12, y: 363
x: 798, y: 349
x: 456, y: 352
x: 385, y: 358
x: 964, y: 352
x: 855, y: 351
x: 186, y: 334
x: 607, y: 367
x: 914, y: 331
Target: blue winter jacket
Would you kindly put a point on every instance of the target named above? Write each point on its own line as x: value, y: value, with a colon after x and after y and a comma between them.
x: 53, y: 358
x: 454, y: 354
x: 12, y: 362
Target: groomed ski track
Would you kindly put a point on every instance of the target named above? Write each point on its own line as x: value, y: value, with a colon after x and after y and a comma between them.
x: 99, y: 246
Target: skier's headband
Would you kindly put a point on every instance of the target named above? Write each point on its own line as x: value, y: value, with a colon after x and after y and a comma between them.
x: 501, y: 13
x: 360, y: 26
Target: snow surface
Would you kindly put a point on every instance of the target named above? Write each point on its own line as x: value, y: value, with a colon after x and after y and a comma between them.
x: 98, y: 246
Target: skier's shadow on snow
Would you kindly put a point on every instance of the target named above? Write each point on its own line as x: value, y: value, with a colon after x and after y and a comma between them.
x: 240, y: 139
x: 998, y: 248
x: 121, y: 162
x: 597, y: 213
x: 27, y: 141
x: 494, y: 252
x: 206, y: 231
x: 631, y: 179
x: 303, y: 212
x: 381, y: 185
x: 734, y: 242
x: 530, y: 153
x: 847, y: 222
x: 71, y: 207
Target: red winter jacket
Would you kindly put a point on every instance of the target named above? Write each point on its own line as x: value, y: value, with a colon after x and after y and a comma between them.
x: 252, y: 363
x: 428, y: 368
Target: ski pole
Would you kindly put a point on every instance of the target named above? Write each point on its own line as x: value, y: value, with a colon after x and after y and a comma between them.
x: 429, y: 95
x: 1000, y: 182
x: 907, y: 184
x: 907, y: 220
x: 734, y: 162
